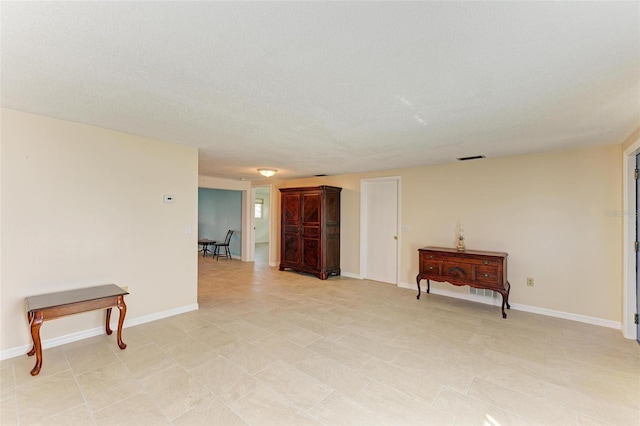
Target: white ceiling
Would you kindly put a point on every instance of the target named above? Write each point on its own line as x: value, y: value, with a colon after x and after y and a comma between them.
x: 331, y: 87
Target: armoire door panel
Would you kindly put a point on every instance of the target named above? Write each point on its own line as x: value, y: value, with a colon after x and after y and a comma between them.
x: 291, y: 208
x: 291, y: 253
x: 311, y: 231
x: 311, y: 252
x: 311, y: 208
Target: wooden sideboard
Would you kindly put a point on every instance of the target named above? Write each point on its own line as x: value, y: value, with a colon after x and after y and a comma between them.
x: 479, y: 269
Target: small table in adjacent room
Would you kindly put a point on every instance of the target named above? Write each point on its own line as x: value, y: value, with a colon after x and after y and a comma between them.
x: 45, y: 307
x: 205, y: 243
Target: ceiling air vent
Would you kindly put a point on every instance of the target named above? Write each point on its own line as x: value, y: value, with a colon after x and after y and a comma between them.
x: 475, y: 157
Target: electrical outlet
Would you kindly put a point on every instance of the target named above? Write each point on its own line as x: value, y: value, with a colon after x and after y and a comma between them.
x: 530, y: 282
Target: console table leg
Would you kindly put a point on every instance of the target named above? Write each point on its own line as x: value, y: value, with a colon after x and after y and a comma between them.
x: 418, y: 282
x: 108, y: 320
x: 122, y: 307
x: 32, y: 351
x: 504, y: 301
x: 36, y: 323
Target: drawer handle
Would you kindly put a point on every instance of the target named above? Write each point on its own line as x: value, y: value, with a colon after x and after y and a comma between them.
x: 486, y: 275
x: 431, y: 267
x: 430, y: 257
x: 486, y: 262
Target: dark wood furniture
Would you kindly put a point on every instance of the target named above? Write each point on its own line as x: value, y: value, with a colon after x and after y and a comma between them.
x: 55, y: 305
x: 227, y: 251
x: 479, y: 269
x: 310, y: 230
x: 205, y: 243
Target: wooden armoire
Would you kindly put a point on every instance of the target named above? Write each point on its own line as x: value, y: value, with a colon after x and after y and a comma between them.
x: 310, y: 230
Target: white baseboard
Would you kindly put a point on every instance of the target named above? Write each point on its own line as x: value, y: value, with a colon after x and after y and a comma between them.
x: 350, y: 275
x: 85, y: 334
x: 518, y: 307
x: 158, y: 315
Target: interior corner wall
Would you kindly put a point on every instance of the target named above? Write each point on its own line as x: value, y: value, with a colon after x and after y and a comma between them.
x: 555, y: 214
x: 83, y: 206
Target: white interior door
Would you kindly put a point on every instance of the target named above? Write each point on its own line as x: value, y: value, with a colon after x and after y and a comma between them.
x: 379, y: 238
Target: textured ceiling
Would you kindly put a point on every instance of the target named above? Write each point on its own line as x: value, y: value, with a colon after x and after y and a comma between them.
x: 331, y: 87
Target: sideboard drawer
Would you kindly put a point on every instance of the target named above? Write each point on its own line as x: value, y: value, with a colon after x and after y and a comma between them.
x: 488, y: 275
x: 432, y: 267
x: 457, y: 270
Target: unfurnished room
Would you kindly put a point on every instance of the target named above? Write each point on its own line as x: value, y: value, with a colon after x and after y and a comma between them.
x: 328, y: 213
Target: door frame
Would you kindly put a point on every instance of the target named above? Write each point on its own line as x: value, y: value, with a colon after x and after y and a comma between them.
x: 363, y: 223
x: 629, y: 278
x: 252, y: 224
x: 247, y: 208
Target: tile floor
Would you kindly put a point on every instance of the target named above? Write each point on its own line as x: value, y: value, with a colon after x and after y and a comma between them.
x: 277, y: 348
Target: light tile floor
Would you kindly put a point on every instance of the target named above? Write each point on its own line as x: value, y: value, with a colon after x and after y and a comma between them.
x: 277, y: 348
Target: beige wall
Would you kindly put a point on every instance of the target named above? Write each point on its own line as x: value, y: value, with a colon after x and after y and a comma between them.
x: 84, y: 206
x: 548, y: 211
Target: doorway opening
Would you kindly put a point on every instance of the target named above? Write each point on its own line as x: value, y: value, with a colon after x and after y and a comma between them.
x: 262, y: 224
x: 220, y: 210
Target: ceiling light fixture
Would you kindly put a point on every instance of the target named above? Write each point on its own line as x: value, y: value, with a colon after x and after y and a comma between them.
x: 267, y: 172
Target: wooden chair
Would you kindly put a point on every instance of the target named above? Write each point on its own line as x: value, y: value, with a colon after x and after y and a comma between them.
x: 227, y: 252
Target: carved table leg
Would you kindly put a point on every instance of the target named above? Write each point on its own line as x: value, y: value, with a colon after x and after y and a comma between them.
x: 508, y: 292
x: 108, y: 320
x: 505, y: 297
x: 36, y: 323
x: 32, y: 351
x: 123, y: 311
x: 418, y: 282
